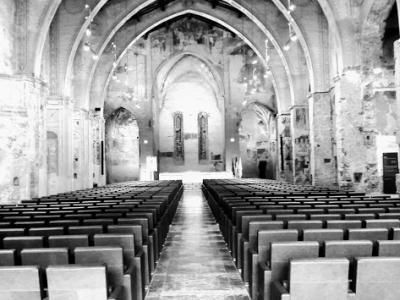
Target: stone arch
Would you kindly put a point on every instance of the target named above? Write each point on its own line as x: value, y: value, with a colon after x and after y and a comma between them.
x: 122, y: 147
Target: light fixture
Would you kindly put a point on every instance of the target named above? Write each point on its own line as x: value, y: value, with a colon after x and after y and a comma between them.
x: 286, y: 47
x: 292, y: 35
x: 291, y: 6
x: 254, y: 61
x: 86, y: 47
x: 95, y: 56
x: 232, y: 140
x: 88, y: 32
x: 114, y: 76
x: 145, y: 142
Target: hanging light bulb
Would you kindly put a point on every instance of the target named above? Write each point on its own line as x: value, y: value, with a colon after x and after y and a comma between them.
x: 291, y: 6
x: 292, y: 35
x: 115, y: 64
x: 86, y: 47
x: 87, y: 6
x: 114, y: 77
x: 287, y: 46
x: 88, y: 32
x: 95, y: 56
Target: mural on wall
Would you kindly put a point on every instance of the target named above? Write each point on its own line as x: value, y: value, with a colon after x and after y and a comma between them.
x: 52, y: 161
x: 258, y: 149
x: 203, y: 136
x: 302, y: 149
x: 286, y: 149
x: 179, y: 153
x: 122, y: 147
x: 185, y: 33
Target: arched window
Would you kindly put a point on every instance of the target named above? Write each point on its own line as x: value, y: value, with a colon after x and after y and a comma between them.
x: 203, y: 136
x: 179, y: 153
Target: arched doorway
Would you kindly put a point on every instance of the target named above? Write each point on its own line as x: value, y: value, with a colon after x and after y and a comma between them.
x: 122, y: 147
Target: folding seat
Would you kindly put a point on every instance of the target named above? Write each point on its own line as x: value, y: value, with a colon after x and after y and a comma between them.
x: 378, y: 278
x: 389, y: 215
x: 359, y: 216
x: 44, y: 257
x: 88, y: 229
x: 349, y: 250
x: 395, y: 233
x: 141, y: 250
x: 388, y: 248
x: 79, y: 283
x: 69, y: 222
x: 372, y: 234
x: 112, y: 258
x: 102, y: 221
x: 265, y: 238
x: 7, y: 257
x: 382, y: 223
x: 69, y: 241
x: 277, y: 267
x: 341, y: 211
x: 20, y: 283
x: 343, y: 224
x: 326, y: 217
x: 304, y: 224
x: 371, y: 210
x: 237, y: 233
x: 28, y: 224
x: 4, y: 232
x: 288, y: 217
x: 21, y: 242
x: 321, y: 235
x: 314, y: 279
x: 310, y: 211
x: 45, y: 231
x: 126, y: 242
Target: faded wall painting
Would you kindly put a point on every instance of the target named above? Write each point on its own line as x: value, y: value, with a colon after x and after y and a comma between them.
x: 203, y: 136
x: 122, y: 147
x: 302, y: 148
x: 179, y: 153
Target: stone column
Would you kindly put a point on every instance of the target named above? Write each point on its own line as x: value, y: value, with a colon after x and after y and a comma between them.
x: 59, y: 144
x: 98, y: 151
x: 301, y: 144
x: 22, y: 138
x: 397, y: 84
x: 323, y: 165
x: 285, y: 146
x: 351, y: 158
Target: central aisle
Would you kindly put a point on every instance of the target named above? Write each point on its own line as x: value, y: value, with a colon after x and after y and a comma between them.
x: 195, y: 263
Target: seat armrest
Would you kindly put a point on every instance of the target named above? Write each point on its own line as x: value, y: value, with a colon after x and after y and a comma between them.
x: 279, y: 292
x: 116, y: 294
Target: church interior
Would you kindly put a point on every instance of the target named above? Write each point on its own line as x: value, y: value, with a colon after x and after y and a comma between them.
x: 199, y: 149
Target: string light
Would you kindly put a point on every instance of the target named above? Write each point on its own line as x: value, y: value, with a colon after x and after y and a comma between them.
x: 86, y: 47
x: 291, y: 6
x: 292, y: 34
x: 286, y: 47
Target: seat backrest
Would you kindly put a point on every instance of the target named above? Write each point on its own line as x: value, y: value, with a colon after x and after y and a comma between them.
x: 378, y: 278
x: 321, y: 278
x: 7, y: 257
x: 246, y: 221
x: 136, y: 230
x: 4, y: 232
x: 287, y: 217
x: 45, y: 231
x: 283, y: 252
x: 44, y: 257
x: 76, y: 282
x: 110, y: 256
x: 239, y: 217
x: 22, y: 242
x: 266, y: 237
x: 69, y: 241
x: 372, y: 234
x: 382, y: 223
x: 20, y: 282
x: 125, y: 241
x: 144, y: 222
x: 306, y: 224
x: 348, y: 249
x: 343, y: 224
x: 321, y: 235
x: 389, y: 248
x: 255, y: 226
x: 88, y: 229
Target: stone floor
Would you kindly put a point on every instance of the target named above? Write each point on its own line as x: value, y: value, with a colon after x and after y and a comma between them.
x: 195, y: 263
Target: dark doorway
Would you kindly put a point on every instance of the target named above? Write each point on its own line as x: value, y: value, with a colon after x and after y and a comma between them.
x: 390, y: 169
x: 262, y: 169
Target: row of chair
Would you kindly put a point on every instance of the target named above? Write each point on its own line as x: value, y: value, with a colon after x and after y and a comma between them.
x: 253, y: 218
x: 61, y: 229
